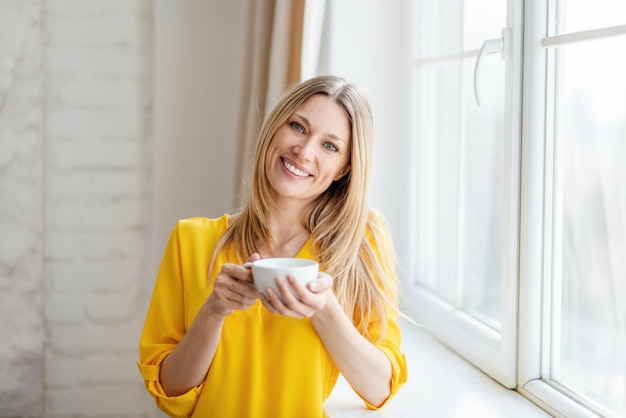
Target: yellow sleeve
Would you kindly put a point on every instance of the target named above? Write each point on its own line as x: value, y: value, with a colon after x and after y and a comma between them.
x: 392, y: 339
x: 164, y: 327
x: 390, y: 346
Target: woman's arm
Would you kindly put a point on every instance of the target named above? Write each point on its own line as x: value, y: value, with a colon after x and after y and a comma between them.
x: 365, y: 367
x: 188, y: 364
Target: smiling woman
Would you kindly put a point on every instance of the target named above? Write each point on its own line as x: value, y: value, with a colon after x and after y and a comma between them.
x: 312, y: 152
x: 214, y: 347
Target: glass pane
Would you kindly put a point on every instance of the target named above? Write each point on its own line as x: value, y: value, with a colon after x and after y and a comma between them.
x: 449, y: 27
x: 590, y: 152
x: 439, y: 162
x: 483, y: 191
x: 460, y: 161
x: 439, y: 28
x: 581, y: 15
x: 482, y: 20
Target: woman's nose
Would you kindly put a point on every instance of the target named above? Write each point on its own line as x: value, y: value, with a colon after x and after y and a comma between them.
x: 304, y: 149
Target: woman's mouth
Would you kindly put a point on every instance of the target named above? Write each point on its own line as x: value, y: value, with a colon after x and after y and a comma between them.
x: 293, y: 169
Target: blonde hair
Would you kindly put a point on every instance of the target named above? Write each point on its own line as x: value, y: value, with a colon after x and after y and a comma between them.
x: 352, y: 241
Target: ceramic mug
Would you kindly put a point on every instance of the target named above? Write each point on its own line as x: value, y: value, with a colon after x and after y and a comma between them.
x: 266, y: 270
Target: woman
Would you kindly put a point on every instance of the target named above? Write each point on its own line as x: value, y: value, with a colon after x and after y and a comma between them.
x: 219, y: 347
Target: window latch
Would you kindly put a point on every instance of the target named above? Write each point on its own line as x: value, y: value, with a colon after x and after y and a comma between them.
x: 490, y: 46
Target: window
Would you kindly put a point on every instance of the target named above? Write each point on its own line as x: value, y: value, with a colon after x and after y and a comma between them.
x: 468, y: 177
x: 584, y: 270
x: 461, y: 156
x: 521, y: 199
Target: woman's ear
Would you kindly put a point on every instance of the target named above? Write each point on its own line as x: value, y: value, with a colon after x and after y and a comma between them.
x: 342, y: 172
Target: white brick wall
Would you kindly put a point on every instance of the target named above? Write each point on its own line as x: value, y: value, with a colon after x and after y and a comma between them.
x: 75, y: 179
x: 98, y: 162
x: 21, y: 209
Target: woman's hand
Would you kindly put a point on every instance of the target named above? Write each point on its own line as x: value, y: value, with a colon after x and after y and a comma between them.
x: 233, y: 289
x: 308, y: 300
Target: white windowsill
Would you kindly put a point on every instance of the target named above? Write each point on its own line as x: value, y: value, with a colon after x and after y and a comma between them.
x: 441, y: 384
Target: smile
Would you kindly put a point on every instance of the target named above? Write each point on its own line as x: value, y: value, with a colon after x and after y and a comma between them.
x: 294, y: 170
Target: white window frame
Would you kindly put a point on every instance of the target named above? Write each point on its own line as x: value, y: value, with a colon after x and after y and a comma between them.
x: 537, y: 197
x: 519, y: 356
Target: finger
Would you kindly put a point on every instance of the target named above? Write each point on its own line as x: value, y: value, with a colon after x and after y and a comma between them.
x: 297, y: 287
x: 246, y: 292
x: 236, y: 292
x: 253, y: 257
x: 227, y: 301
x: 296, y: 303
x: 278, y: 304
x: 273, y: 300
x: 237, y: 272
x: 308, y: 302
x: 227, y: 284
x: 268, y: 305
x: 322, y: 283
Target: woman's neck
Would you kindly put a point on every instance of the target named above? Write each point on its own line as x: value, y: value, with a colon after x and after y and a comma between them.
x: 288, y: 234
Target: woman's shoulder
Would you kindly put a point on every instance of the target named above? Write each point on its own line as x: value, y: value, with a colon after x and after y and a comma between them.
x: 375, y: 222
x: 201, y: 226
x: 374, y: 215
x: 377, y: 232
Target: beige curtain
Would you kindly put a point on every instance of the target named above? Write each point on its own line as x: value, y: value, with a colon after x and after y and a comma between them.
x: 271, y: 63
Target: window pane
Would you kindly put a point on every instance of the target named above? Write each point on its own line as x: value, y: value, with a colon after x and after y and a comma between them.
x: 482, y: 195
x: 590, y: 151
x: 581, y: 15
x: 460, y: 166
x: 482, y: 20
x: 439, y: 28
x: 448, y: 27
x: 439, y: 162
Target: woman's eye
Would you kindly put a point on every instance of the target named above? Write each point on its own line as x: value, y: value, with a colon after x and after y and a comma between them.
x: 297, y: 127
x: 331, y: 147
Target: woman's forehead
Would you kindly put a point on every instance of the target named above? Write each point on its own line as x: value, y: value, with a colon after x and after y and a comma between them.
x: 323, y: 113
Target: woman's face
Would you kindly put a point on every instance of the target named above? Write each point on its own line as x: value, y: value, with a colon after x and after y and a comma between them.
x: 310, y: 150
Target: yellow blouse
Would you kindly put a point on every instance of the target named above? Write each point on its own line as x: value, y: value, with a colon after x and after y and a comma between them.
x: 266, y: 365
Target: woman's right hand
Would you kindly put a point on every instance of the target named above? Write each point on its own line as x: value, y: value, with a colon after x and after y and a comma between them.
x: 233, y: 289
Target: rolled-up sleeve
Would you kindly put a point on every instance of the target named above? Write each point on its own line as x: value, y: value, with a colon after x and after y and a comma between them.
x: 391, y: 334
x: 390, y: 346
x: 175, y: 406
x: 164, y: 327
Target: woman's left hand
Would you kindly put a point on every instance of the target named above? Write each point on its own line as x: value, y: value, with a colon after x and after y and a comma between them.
x: 308, y: 300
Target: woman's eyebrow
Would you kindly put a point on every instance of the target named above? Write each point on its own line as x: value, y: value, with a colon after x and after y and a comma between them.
x: 330, y: 135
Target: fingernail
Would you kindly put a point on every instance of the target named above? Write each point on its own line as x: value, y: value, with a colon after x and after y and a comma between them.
x: 313, y: 286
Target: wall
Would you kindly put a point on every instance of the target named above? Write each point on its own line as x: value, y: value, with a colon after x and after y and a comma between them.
x: 368, y: 43
x: 21, y: 209
x: 97, y: 215
x: 198, y: 54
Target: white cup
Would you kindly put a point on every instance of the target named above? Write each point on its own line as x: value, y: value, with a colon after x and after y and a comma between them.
x: 265, y: 272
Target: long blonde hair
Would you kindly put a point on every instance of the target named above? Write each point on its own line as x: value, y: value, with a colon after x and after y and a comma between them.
x: 351, y: 241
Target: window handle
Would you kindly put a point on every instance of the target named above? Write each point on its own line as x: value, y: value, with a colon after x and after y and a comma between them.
x: 490, y: 46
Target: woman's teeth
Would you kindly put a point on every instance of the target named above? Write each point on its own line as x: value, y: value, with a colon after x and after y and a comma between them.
x: 294, y: 170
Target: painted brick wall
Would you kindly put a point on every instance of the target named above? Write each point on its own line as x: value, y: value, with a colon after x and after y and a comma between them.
x: 21, y: 209
x: 97, y: 213
x: 75, y: 220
